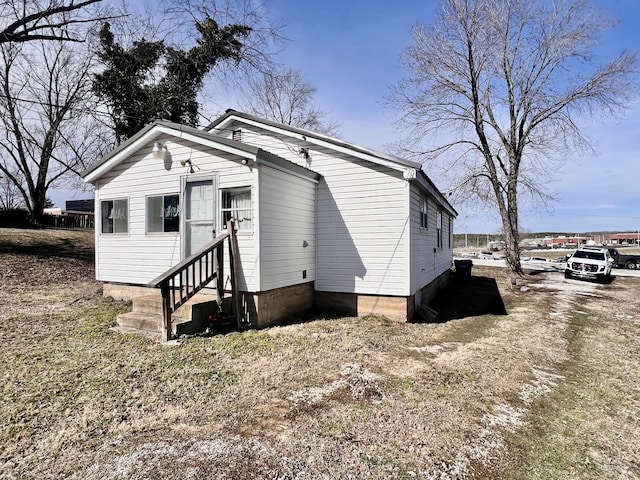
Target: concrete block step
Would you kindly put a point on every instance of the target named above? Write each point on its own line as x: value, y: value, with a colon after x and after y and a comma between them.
x: 140, y: 321
x: 151, y: 304
x: 147, y: 315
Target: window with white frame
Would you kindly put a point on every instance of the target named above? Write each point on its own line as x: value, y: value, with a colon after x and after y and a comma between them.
x: 115, y: 216
x: 424, y: 211
x: 163, y: 213
x: 439, y: 228
x: 236, y: 206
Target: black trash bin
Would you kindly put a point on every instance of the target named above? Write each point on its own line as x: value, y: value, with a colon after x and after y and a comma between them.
x: 463, y: 270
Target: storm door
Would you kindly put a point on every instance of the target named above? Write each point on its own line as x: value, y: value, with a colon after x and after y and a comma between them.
x: 199, y: 214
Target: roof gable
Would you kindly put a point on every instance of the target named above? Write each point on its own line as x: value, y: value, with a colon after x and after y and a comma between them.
x: 319, y: 139
x: 161, y: 127
x: 411, y: 171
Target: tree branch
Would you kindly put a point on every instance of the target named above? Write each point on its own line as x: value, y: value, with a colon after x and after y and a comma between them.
x: 22, y: 29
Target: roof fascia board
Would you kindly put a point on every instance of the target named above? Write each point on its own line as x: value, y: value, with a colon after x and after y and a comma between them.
x: 426, y: 184
x: 153, y: 132
x: 213, y: 143
x: 316, y: 141
x: 119, y: 156
x: 269, y: 160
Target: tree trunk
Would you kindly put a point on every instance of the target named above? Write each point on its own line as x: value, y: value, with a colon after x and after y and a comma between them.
x: 509, y: 214
x: 512, y: 254
x: 38, y: 203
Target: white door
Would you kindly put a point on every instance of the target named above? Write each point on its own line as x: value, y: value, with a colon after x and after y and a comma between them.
x: 199, y: 214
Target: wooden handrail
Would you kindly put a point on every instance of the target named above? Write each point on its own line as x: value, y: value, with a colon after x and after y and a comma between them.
x: 180, y: 266
x: 181, y: 282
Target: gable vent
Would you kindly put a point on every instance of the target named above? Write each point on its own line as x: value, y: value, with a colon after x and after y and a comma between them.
x: 237, y: 135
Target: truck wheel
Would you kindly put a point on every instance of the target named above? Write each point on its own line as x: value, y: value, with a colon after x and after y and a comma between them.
x: 631, y: 264
x: 567, y: 274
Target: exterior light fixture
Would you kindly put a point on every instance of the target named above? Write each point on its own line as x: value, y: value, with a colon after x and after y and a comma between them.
x: 245, y: 161
x: 159, y: 150
x: 184, y: 163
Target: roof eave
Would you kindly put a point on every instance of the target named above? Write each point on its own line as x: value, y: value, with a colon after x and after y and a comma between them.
x: 153, y: 131
x: 425, y: 183
x: 321, y: 140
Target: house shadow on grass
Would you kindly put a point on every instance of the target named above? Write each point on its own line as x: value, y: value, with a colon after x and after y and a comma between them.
x: 469, y: 297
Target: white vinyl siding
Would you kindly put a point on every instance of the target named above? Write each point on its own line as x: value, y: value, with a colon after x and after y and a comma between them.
x: 369, y: 234
x: 362, y: 218
x: 427, y: 260
x: 138, y: 258
x: 357, y: 230
x: 361, y: 237
x: 287, y: 229
x: 271, y: 142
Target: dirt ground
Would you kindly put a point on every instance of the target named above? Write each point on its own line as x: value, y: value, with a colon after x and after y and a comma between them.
x: 541, y: 381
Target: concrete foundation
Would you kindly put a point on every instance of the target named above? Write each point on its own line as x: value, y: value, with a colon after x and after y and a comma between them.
x: 271, y: 307
x: 396, y: 308
x: 125, y: 292
x: 264, y: 309
x: 429, y: 292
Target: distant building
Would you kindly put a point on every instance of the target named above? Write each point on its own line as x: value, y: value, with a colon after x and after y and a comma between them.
x: 632, y: 238
x: 77, y: 214
x: 80, y: 205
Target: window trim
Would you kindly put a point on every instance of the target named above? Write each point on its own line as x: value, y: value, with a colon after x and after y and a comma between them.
x: 127, y: 213
x: 147, y: 211
x: 224, y: 210
x: 424, y: 211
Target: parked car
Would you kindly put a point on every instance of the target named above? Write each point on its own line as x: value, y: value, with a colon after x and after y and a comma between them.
x: 589, y: 262
x: 533, y: 259
x: 624, y: 261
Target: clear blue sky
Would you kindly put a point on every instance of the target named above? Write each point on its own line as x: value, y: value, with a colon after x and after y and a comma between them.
x: 350, y: 50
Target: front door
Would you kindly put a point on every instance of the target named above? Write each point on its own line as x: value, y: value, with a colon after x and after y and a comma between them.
x: 199, y: 214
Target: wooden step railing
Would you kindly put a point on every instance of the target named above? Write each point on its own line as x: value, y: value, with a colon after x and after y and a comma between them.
x: 181, y: 282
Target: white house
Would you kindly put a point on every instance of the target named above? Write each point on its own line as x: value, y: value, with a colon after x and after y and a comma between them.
x: 319, y: 221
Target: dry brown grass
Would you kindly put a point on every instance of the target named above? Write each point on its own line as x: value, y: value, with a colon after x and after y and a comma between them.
x: 534, y: 393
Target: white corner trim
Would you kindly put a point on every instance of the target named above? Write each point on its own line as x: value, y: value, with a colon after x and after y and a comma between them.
x: 409, y: 174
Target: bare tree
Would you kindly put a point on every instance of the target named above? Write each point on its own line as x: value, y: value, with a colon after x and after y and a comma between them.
x: 256, y: 54
x: 288, y: 98
x: 258, y: 49
x: 10, y: 197
x: 28, y: 20
x: 47, y: 134
x: 506, y: 83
